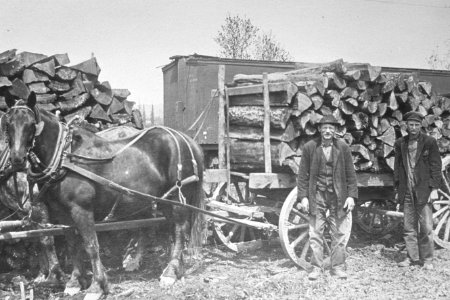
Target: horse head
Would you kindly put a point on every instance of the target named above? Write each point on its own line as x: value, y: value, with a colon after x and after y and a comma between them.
x: 21, y: 124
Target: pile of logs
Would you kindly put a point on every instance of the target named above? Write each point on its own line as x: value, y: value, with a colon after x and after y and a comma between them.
x: 68, y: 90
x: 369, y: 105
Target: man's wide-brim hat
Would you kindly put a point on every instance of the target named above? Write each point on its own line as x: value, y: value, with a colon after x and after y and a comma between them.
x: 329, y: 119
x: 413, y: 116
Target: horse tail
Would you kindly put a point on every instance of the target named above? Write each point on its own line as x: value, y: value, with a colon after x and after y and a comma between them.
x: 198, y: 224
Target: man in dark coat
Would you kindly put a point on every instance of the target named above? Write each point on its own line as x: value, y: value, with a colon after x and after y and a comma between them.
x: 327, y: 182
x: 417, y: 178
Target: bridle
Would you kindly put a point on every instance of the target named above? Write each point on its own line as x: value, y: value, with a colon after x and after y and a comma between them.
x: 37, y: 118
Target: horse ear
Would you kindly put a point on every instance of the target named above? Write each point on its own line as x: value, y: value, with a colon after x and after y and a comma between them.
x: 31, y: 101
x: 39, y: 127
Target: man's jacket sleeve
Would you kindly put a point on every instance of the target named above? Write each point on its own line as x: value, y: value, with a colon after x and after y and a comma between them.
x: 352, y: 186
x: 435, y: 162
x: 303, y: 175
x: 397, y: 162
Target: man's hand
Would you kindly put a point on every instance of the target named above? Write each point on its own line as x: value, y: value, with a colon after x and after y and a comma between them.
x: 349, y: 204
x: 304, y: 205
x: 433, y: 196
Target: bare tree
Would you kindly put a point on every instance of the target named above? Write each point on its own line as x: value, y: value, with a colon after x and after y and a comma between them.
x: 440, y: 58
x: 267, y: 48
x: 238, y: 38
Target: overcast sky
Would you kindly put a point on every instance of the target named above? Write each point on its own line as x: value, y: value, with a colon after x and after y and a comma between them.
x: 132, y: 39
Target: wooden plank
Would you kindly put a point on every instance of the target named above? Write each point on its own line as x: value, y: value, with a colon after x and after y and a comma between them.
x: 254, y: 224
x: 280, y: 94
x: 241, y: 210
x: 267, y: 156
x: 98, y: 227
x: 222, y: 124
x: 215, y: 175
x: 272, y: 181
x: 370, y: 179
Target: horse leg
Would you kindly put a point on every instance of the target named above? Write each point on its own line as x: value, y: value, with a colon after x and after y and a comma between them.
x: 174, y: 269
x: 84, y: 220
x: 77, y: 280
x: 135, y: 251
x: 49, y: 263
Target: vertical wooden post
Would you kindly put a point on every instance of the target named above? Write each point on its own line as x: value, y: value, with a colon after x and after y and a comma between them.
x: 267, y: 155
x: 222, y: 123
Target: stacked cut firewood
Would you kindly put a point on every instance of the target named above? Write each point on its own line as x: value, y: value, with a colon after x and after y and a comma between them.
x: 368, y: 104
x: 68, y: 90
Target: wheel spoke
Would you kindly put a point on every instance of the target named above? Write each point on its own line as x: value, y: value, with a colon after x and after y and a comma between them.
x: 300, y: 214
x: 441, y: 222
x: 238, y: 192
x: 298, y: 226
x: 439, y: 212
x: 447, y: 231
x: 298, y: 240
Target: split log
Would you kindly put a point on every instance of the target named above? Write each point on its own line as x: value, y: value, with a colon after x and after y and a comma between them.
x: 38, y: 88
x: 360, y: 150
x: 19, y: 89
x: 335, y: 82
x: 72, y: 104
x: 425, y: 87
x: 4, y: 81
x: 100, y: 97
x: 254, y: 116
x: 47, y: 67
x: 66, y: 74
x: 335, y: 96
x: 361, y: 120
x: 317, y: 101
x: 115, y: 107
x: 393, y: 104
x: 346, y: 108
x: 388, y: 136
x: 349, y: 92
x: 99, y: 113
x: 249, y: 155
x: 89, y: 66
x: 122, y: 94
x: 45, y: 98
x: 59, y: 86
x: 82, y: 113
x: 301, y: 103
x: 30, y: 76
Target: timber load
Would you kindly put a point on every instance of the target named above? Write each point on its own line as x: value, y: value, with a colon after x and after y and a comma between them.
x: 369, y: 105
x: 66, y: 90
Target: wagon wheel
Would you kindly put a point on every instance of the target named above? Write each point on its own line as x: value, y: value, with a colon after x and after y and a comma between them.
x: 441, y: 207
x: 374, y: 223
x: 235, y: 237
x: 293, y: 229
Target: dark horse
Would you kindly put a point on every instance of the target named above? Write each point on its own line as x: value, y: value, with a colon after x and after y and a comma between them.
x: 151, y: 164
x: 14, y: 196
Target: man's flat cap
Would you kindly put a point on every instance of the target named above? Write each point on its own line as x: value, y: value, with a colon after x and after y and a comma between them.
x: 413, y: 116
x: 329, y: 119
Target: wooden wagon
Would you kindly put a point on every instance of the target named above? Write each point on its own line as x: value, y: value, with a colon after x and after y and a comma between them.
x: 266, y: 202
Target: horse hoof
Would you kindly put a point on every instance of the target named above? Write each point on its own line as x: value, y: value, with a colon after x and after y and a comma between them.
x: 166, y: 281
x: 71, y: 291
x: 93, y: 296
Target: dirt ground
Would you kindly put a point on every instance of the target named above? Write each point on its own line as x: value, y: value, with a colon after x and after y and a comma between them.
x: 266, y: 273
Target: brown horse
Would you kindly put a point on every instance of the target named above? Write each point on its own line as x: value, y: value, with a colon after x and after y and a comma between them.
x: 14, y: 196
x: 152, y: 163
